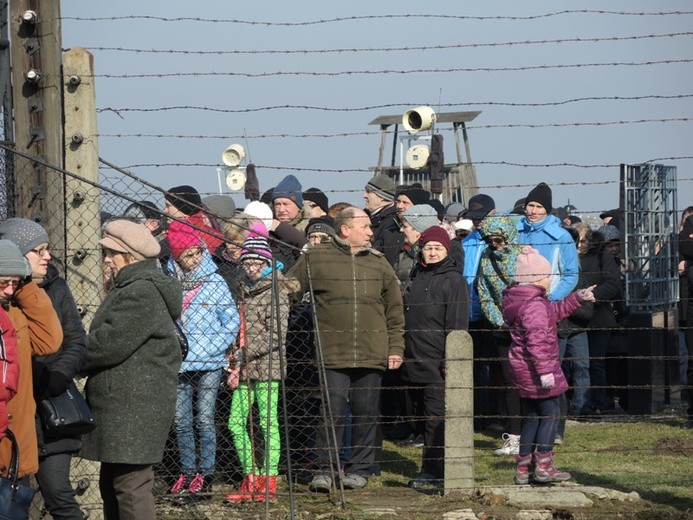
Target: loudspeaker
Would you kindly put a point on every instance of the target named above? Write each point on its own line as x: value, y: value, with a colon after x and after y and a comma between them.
x: 419, y: 118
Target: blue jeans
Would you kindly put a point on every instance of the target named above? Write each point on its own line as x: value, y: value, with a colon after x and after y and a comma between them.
x: 575, y: 354
x: 199, y: 387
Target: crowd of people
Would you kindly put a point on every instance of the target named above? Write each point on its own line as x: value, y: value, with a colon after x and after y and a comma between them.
x: 339, y: 305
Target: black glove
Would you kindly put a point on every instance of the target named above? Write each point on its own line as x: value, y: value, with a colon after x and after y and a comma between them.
x: 41, y: 377
x: 58, y: 383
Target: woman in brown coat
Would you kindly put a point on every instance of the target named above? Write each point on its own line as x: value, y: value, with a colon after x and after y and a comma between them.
x: 38, y: 333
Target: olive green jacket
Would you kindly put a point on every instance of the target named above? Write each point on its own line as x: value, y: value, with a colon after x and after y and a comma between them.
x: 358, y: 304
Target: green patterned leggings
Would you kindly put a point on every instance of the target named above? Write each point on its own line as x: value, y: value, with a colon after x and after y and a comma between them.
x: 266, y: 394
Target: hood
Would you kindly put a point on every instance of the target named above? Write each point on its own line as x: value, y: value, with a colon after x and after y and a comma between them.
x: 550, y: 225
x: 206, y: 267
x: 500, y: 224
x: 147, y: 269
x: 516, y: 296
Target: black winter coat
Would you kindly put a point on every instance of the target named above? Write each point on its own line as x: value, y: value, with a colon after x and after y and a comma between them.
x: 601, y: 269
x: 435, y: 303
x: 387, y: 235
x: 69, y: 360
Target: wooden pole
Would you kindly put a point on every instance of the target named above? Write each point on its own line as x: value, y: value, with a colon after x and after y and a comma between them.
x: 36, y: 46
x: 83, y: 201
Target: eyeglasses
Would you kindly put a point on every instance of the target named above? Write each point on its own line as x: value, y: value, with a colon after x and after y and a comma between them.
x: 41, y: 250
x: 430, y: 249
x: 496, y: 241
x: 4, y: 284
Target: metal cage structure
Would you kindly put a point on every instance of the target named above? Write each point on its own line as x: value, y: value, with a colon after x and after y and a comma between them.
x: 648, y: 196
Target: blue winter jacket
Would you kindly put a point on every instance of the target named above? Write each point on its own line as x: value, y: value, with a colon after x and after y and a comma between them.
x: 210, y: 321
x: 555, y: 244
x: 473, y: 245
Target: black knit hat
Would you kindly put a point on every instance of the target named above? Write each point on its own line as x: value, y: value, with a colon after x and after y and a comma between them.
x: 414, y: 192
x: 541, y: 194
x: 186, y: 198
x: 318, y: 197
x: 324, y: 224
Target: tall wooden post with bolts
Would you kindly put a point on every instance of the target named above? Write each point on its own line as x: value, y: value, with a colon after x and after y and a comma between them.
x: 82, y: 196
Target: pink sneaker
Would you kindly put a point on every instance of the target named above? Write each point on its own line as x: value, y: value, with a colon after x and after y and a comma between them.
x: 196, y: 484
x: 180, y: 485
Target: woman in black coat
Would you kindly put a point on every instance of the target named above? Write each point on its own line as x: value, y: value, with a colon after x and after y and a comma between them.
x: 435, y: 303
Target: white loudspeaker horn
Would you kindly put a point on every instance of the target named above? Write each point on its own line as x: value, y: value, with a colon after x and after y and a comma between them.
x: 235, y: 179
x: 419, y: 118
x: 417, y: 156
x: 233, y: 155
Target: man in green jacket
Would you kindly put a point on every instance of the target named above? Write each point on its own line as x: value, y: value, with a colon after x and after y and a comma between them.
x: 360, y: 325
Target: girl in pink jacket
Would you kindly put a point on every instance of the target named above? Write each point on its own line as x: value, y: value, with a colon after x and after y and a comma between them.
x: 535, y: 369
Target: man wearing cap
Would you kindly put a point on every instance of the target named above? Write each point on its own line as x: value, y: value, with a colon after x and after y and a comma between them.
x: 38, y: 333
x: 319, y: 230
x: 360, y: 324
x: 288, y: 205
x: 391, y: 240
x: 317, y: 201
x: 53, y: 373
x: 379, y: 195
x: 133, y: 358
x: 545, y: 233
x: 184, y: 203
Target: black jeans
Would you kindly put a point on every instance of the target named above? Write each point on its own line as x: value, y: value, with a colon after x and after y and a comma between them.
x: 358, y: 389
x: 689, y: 341
x: 429, y: 403
x: 53, y: 478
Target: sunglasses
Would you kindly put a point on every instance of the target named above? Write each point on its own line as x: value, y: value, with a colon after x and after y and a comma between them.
x: 496, y: 241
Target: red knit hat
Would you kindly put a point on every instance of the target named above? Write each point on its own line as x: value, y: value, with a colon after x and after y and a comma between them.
x: 435, y: 234
x: 181, y: 237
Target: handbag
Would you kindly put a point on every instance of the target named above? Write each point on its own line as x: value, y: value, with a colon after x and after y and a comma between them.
x: 182, y: 339
x: 15, y: 497
x: 66, y: 414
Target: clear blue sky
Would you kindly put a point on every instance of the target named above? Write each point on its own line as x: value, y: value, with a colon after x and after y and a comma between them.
x: 474, y: 72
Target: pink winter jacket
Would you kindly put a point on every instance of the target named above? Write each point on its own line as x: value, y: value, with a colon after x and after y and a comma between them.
x: 532, y: 319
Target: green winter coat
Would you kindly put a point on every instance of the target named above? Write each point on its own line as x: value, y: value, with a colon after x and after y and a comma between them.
x: 358, y: 305
x: 133, y: 357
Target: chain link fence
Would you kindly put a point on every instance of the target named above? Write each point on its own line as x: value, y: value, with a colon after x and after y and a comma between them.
x: 300, y: 395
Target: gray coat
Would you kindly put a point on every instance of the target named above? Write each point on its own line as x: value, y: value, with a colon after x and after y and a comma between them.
x: 133, y: 357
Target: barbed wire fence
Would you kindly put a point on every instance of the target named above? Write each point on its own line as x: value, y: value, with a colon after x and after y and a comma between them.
x: 301, y: 412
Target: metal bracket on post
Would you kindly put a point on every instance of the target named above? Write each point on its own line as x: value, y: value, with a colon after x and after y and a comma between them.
x: 36, y: 194
x: 35, y: 105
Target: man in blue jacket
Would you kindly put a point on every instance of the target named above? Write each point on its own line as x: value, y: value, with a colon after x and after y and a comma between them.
x: 545, y: 233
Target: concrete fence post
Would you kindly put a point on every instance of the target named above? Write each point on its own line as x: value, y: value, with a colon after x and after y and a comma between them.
x: 459, y: 413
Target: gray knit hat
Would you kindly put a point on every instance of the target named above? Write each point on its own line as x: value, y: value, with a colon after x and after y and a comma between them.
x: 126, y: 236
x: 25, y: 233
x: 12, y: 262
x: 221, y: 206
x: 421, y: 217
x: 609, y: 232
x: 383, y: 186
